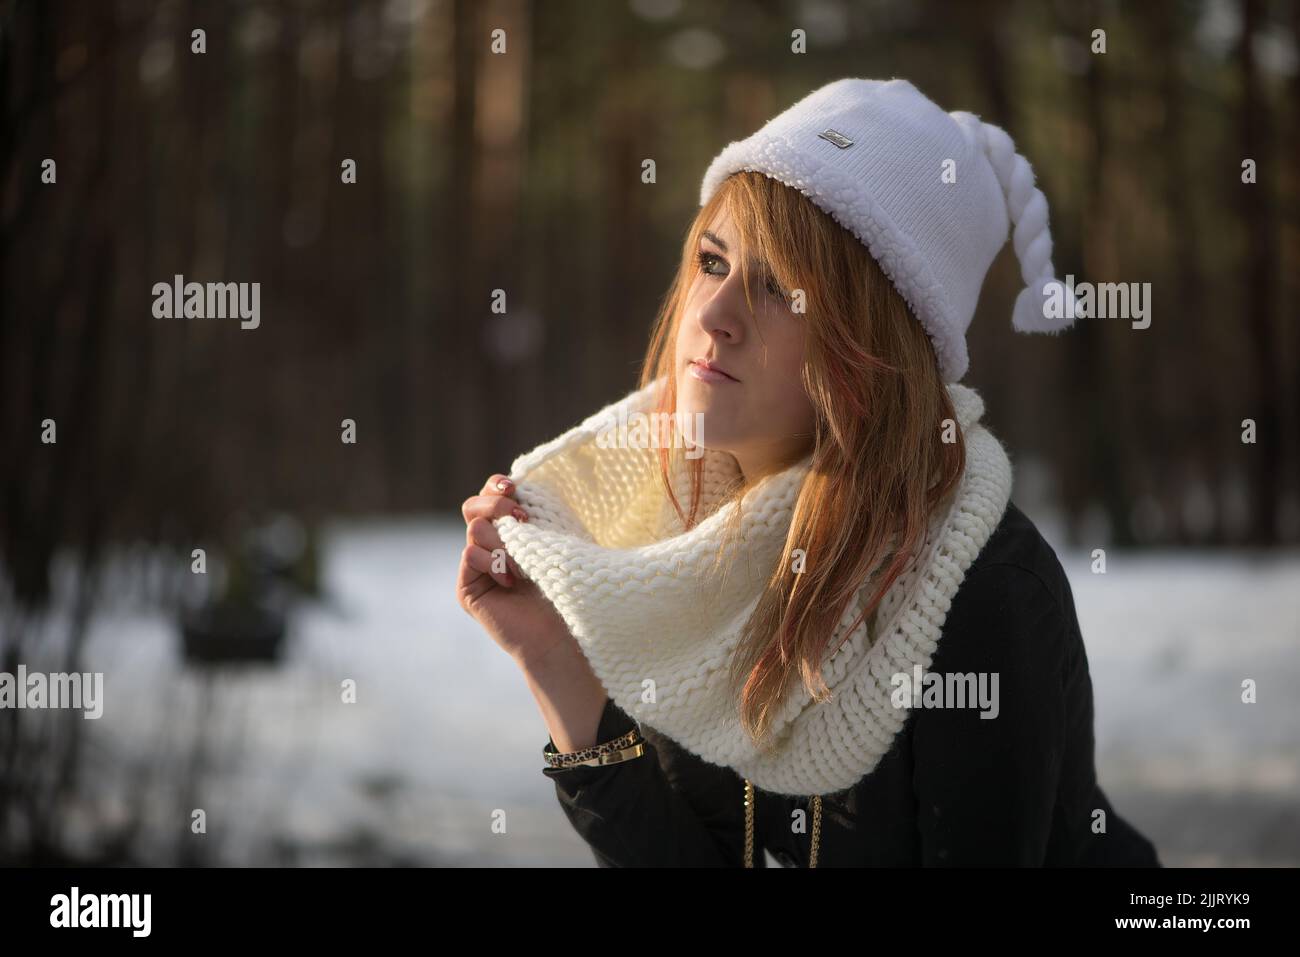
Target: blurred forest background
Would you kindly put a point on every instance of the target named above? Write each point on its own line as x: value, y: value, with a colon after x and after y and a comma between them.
x: 521, y: 171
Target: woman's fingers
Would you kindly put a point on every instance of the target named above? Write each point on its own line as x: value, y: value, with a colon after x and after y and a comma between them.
x: 494, y: 501
x: 484, y: 561
x: 484, y: 534
x: 470, y: 582
x: 492, y: 506
x: 484, y: 552
x: 498, y: 485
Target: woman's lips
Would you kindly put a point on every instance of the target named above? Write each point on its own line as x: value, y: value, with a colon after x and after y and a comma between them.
x: 706, y: 374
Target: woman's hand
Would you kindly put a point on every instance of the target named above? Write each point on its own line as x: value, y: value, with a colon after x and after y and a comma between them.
x: 512, y: 609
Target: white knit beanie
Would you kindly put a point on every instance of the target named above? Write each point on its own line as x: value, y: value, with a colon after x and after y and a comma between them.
x: 873, y: 154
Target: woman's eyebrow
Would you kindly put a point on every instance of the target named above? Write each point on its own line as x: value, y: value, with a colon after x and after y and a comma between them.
x: 715, y: 240
x: 754, y: 264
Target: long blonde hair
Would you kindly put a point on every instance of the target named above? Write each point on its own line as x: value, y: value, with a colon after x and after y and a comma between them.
x: 879, y: 465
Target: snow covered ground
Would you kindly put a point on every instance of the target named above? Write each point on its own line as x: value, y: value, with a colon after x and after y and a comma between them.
x: 444, y: 735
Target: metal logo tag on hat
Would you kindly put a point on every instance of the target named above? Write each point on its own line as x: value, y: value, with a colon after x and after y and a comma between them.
x: 836, y: 137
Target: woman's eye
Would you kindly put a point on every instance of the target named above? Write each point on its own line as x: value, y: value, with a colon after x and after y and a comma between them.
x: 775, y: 289
x: 706, y: 260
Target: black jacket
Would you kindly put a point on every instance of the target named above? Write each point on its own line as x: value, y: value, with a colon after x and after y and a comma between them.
x: 953, y: 790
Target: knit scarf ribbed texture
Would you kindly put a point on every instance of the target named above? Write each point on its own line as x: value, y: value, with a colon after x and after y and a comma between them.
x: 659, y: 623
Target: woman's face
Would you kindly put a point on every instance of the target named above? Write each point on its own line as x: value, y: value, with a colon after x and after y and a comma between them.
x: 754, y: 406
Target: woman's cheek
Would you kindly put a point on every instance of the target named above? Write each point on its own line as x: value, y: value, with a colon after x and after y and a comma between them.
x: 798, y: 407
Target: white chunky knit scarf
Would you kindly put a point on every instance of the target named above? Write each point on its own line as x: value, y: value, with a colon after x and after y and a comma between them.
x: 658, y: 623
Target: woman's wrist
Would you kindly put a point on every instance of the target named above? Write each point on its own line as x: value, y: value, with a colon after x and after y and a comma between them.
x: 557, y: 655
x: 568, y: 694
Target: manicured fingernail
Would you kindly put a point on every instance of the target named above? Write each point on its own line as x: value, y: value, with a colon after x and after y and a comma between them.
x: 504, y: 484
x: 520, y: 514
x: 510, y: 581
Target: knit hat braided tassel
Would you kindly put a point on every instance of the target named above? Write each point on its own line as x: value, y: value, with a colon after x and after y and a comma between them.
x: 1031, y: 238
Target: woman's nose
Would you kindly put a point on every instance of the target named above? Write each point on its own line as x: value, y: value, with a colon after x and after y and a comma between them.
x: 722, y: 316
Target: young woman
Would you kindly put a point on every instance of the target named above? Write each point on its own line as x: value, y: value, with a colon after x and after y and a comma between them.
x: 805, y: 617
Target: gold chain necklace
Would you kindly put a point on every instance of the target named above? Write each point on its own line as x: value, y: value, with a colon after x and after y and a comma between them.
x: 749, y: 826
